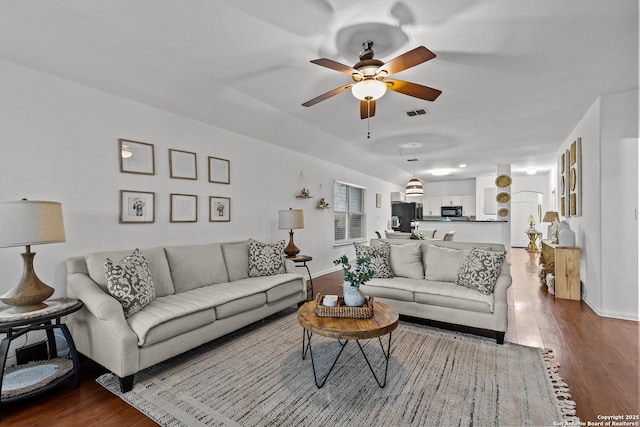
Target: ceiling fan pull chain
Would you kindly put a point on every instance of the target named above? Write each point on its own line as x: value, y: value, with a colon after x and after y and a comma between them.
x: 368, y: 119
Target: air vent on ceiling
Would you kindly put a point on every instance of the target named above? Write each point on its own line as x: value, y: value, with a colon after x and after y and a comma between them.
x: 418, y: 112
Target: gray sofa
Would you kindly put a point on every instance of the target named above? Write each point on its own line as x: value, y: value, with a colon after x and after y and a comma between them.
x: 424, y: 285
x: 202, y: 293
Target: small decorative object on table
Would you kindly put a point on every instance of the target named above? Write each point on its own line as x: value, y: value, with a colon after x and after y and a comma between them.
x: 342, y: 310
x: 417, y: 234
x: 353, y: 278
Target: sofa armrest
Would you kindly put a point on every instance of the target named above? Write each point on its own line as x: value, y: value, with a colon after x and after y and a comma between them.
x: 98, y: 302
x: 500, y: 304
x: 289, y: 266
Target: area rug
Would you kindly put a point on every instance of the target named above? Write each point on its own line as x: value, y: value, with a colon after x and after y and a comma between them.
x: 257, y: 377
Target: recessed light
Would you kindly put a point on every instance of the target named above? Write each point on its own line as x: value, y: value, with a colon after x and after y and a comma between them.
x: 531, y: 171
x: 462, y: 165
x: 440, y: 172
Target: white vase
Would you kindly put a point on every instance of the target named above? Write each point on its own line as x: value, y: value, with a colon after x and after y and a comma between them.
x: 566, y: 237
x: 353, y: 296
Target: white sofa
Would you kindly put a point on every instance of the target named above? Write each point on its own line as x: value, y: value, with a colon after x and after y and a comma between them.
x: 424, y: 285
x: 203, y: 292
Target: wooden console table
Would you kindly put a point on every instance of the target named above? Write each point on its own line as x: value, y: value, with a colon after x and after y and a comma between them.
x: 564, y: 263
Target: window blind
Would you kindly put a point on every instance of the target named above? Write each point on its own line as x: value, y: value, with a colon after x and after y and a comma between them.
x: 349, y: 217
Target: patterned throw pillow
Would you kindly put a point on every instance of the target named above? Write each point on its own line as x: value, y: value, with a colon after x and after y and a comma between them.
x: 480, y: 270
x: 266, y: 259
x: 379, y: 258
x: 129, y: 281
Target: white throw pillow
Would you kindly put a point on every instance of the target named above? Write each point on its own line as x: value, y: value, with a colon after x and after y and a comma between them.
x: 480, y: 270
x: 443, y: 264
x: 129, y: 281
x: 406, y: 261
x: 266, y: 259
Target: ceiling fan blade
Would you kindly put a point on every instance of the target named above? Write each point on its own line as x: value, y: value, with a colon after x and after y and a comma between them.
x: 335, y: 66
x: 407, y: 60
x: 367, y: 109
x: 413, y: 89
x: 327, y: 95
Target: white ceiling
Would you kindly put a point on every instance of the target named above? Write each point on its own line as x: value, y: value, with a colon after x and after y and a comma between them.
x: 516, y: 76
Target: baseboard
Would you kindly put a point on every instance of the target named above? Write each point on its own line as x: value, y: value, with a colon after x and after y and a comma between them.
x: 635, y: 317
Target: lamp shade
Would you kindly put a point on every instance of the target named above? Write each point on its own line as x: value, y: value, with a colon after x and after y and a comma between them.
x: 291, y: 219
x: 551, y: 216
x: 414, y: 187
x: 30, y: 222
x: 531, y: 219
x: 369, y: 89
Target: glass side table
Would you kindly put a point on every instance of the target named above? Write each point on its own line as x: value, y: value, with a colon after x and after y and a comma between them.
x: 22, y: 381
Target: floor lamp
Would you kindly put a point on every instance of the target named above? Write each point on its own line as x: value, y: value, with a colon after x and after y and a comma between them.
x: 26, y: 223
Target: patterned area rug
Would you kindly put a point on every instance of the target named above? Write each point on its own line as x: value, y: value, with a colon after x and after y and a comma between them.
x: 257, y: 377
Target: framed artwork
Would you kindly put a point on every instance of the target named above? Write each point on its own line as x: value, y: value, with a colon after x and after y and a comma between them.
x: 575, y: 178
x: 183, y: 208
x: 219, y: 170
x: 136, y: 157
x: 137, y: 207
x: 219, y: 209
x: 378, y: 200
x: 183, y: 164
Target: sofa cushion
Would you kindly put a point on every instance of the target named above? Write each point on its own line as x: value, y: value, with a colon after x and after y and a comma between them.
x: 240, y: 305
x: 165, y: 310
x: 442, y: 264
x: 379, y: 258
x: 447, y: 294
x: 398, y: 288
x: 480, y: 270
x: 129, y: 281
x: 156, y: 260
x: 236, y: 258
x: 195, y: 266
x: 406, y: 261
x: 266, y: 259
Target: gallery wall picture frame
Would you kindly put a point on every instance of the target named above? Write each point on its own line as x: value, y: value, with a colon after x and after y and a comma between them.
x: 575, y: 178
x: 183, y: 164
x: 219, y: 170
x: 183, y: 207
x: 137, y: 207
x: 378, y: 200
x: 136, y: 157
x: 219, y: 209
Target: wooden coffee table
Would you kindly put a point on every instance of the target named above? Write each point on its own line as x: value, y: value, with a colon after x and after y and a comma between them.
x: 383, y: 322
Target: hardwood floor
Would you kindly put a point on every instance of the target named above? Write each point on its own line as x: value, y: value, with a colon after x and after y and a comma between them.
x: 598, y: 359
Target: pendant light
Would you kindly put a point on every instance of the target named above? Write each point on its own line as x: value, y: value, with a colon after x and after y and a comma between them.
x: 414, y: 186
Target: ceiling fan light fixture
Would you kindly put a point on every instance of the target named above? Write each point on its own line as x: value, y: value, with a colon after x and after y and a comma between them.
x: 414, y: 188
x: 369, y: 89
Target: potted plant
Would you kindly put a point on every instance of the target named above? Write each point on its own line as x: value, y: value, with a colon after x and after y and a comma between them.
x: 354, y: 276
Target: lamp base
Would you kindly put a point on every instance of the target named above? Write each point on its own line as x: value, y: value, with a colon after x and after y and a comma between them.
x: 291, y: 250
x: 29, y: 293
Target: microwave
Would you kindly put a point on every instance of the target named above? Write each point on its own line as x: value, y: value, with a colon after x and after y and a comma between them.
x: 451, y: 211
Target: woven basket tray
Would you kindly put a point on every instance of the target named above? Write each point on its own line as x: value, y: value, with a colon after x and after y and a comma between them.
x: 341, y: 310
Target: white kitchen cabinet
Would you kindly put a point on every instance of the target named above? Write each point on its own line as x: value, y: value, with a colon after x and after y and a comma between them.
x: 432, y: 205
x: 397, y: 196
x: 452, y: 201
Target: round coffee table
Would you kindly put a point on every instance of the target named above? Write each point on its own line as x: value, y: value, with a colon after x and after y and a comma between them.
x: 383, y: 322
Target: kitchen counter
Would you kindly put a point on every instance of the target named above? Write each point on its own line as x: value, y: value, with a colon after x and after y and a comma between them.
x: 461, y: 220
x: 482, y: 231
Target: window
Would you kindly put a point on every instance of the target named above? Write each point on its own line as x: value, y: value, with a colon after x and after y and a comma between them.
x: 349, y: 217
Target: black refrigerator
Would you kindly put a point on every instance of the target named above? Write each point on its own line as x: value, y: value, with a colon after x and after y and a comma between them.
x: 406, y: 213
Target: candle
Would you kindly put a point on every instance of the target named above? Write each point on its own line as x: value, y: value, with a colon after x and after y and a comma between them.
x: 330, y: 300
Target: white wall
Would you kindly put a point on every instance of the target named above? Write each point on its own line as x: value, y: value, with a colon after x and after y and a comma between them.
x: 465, y: 187
x: 607, y: 231
x: 60, y: 142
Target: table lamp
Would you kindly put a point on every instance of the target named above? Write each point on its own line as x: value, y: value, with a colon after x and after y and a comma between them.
x: 25, y: 223
x: 291, y: 219
x: 532, y: 223
x: 551, y: 217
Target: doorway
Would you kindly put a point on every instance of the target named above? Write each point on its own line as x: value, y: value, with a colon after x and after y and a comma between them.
x: 523, y: 204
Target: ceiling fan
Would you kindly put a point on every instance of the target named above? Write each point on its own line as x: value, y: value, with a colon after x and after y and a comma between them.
x: 371, y: 80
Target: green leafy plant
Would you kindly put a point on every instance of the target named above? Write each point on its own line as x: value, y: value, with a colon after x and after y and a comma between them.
x: 358, y: 274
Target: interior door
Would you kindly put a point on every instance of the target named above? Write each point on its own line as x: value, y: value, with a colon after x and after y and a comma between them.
x: 523, y: 204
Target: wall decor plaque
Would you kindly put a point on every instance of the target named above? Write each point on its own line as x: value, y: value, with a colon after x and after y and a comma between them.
x: 503, y: 181
x: 503, y: 197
